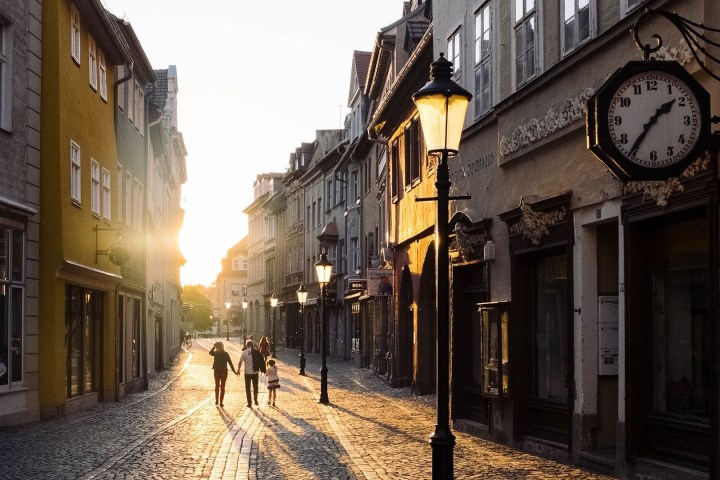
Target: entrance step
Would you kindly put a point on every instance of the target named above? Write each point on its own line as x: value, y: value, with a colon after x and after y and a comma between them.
x: 599, y: 460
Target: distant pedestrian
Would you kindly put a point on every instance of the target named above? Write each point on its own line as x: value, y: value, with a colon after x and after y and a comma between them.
x: 264, y: 347
x: 221, y: 361
x: 273, y: 381
x: 249, y: 357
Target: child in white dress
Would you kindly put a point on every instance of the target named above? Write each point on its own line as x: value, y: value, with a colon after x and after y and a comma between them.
x: 273, y: 381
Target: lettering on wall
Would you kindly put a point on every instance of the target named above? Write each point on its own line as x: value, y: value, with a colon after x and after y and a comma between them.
x: 472, y: 167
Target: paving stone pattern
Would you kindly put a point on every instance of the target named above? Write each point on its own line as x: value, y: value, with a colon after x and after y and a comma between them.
x: 175, y: 431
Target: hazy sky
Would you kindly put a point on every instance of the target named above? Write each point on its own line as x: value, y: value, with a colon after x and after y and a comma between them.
x: 256, y: 80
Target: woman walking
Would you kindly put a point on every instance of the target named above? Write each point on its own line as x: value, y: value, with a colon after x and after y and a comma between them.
x: 220, y: 363
x: 264, y: 347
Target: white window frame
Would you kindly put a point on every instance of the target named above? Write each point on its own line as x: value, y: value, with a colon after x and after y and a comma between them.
x: 454, y: 52
x: 94, y: 187
x: 527, y: 13
x: 106, y: 195
x: 564, y: 18
x: 75, y: 173
x: 5, y: 77
x: 484, y: 59
x: 75, y: 33
x: 102, y: 69
x: 92, y: 62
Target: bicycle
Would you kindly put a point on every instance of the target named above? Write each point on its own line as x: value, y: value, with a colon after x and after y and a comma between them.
x: 187, y: 341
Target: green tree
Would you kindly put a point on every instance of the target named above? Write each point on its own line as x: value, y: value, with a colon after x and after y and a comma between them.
x: 197, y: 307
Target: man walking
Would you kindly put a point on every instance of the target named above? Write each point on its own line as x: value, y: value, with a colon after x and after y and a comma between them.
x: 251, y: 371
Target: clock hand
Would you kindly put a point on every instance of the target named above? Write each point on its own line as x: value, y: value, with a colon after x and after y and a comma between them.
x: 664, y: 108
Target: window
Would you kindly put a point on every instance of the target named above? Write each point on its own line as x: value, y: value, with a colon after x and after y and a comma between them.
x: 128, y: 198
x: 328, y: 194
x: 140, y: 117
x: 5, y: 78
x: 307, y: 222
x: 412, y: 153
x: 576, y: 23
x: 525, y: 41
x: 629, y: 5
x: 354, y: 186
x: 92, y: 62
x: 395, y: 170
x: 102, y: 68
x: 270, y: 227
x: 94, y: 187
x: 319, y: 212
x: 454, y: 51
x: 130, y: 101
x: 83, y: 323
x: 75, y: 34
x: 483, y: 61
x: 75, y: 180
x: 121, y: 89
x: 550, y: 329
x: 354, y: 254
x: 138, y: 195
x: 12, y: 293
x: 120, y: 191
x: 356, y: 329
x: 106, y: 195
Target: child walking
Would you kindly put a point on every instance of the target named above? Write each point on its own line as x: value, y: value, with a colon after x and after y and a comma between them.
x: 273, y: 381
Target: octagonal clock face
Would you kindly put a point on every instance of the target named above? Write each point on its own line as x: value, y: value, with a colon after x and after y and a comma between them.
x: 654, y: 119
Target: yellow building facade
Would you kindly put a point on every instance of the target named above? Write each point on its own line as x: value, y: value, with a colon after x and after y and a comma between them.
x: 78, y: 281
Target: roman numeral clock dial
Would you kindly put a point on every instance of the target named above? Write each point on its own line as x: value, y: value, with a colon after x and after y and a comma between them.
x: 649, y: 121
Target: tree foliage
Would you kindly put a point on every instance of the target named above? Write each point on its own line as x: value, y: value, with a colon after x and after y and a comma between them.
x: 197, y: 308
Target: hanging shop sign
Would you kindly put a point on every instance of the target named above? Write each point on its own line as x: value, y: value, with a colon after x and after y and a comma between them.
x: 379, y: 282
x: 649, y: 121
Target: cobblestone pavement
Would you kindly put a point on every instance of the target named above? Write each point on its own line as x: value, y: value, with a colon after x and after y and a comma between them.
x: 174, y: 431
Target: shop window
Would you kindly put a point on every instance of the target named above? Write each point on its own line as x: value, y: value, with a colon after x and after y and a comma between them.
x: 83, y: 321
x: 12, y: 291
x: 494, y: 319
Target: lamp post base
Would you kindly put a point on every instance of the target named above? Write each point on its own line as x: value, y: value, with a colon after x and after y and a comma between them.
x: 302, y: 364
x: 323, y: 385
x: 442, y: 442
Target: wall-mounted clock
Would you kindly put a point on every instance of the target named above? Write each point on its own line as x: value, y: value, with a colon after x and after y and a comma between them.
x: 649, y: 121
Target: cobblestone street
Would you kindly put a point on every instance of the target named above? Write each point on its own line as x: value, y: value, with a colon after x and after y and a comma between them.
x: 174, y: 431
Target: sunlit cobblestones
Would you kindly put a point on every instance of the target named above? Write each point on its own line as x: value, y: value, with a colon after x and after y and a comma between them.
x: 174, y: 431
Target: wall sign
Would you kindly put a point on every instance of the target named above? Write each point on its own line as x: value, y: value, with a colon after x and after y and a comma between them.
x: 649, y: 121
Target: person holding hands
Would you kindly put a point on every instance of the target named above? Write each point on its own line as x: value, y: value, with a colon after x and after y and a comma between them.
x: 221, y: 361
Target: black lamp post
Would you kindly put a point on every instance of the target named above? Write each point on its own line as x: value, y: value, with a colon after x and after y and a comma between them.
x: 228, y: 304
x: 244, y: 326
x: 323, y: 268
x: 302, y: 294
x: 273, y: 304
x: 442, y: 104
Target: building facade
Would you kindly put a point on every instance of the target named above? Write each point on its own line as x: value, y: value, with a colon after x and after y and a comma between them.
x: 20, y: 129
x: 599, y: 291
x: 80, y: 254
x: 166, y: 174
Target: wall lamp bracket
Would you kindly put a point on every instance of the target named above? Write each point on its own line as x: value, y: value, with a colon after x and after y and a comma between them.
x: 118, y: 252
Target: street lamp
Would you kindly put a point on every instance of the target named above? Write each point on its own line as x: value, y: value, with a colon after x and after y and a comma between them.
x: 442, y: 104
x: 244, y: 305
x: 323, y: 268
x: 302, y: 294
x: 273, y: 304
x: 228, y: 304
